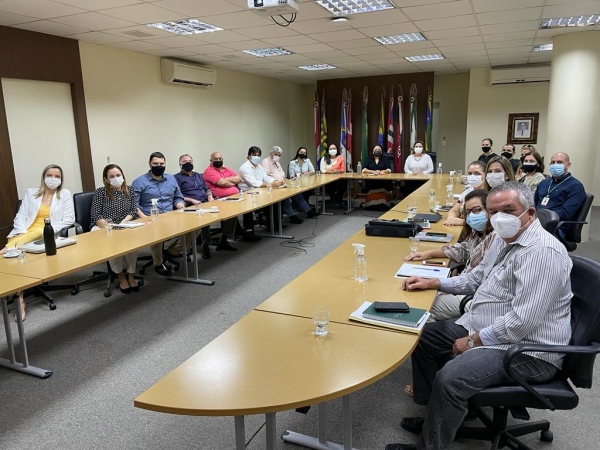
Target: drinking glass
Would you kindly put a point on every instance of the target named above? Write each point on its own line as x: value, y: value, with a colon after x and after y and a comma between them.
x: 253, y: 197
x: 318, y: 173
x: 459, y: 173
x: 242, y: 195
x: 320, y: 318
x: 413, y: 243
x: 269, y: 187
x: 412, y: 209
x: 20, y: 251
x: 109, y: 225
x: 431, y: 194
x: 436, y: 205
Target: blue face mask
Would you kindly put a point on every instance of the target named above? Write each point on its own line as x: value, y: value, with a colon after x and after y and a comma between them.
x: 255, y: 160
x: 477, y: 221
x: 556, y: 170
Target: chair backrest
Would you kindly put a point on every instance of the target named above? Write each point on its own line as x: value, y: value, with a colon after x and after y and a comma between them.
x: 82, y: 202
x: 18, y: 206
x: 548, y: 219
x: 573, y: 233
x: 585, y: 318
x: 433, y: 156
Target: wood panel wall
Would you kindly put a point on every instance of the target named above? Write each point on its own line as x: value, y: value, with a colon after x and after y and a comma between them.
x: 28, y: 55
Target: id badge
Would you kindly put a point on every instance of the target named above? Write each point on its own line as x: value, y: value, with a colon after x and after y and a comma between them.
x: 545, y: 201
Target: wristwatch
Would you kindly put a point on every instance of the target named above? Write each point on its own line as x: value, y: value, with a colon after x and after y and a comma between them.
x: 470, y: 342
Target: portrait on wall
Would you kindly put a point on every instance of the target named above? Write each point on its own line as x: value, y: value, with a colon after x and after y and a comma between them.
x: 522, y: 128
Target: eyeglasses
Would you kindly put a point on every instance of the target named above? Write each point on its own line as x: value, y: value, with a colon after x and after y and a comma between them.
x: 475, y: 210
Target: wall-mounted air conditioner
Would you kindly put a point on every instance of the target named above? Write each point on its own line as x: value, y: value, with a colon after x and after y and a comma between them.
x: 519, y: 75
x: 185, y: 72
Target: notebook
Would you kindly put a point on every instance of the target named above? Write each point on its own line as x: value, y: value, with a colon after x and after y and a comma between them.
x: 413, y: 321
x: 423, y: 237
x: 413, y: 270
x: 39, y: 247
x: 433, y: 218
x: 129, y: 225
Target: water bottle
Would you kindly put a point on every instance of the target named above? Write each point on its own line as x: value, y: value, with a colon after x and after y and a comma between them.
x: 359, y: 168
x: 360, y: 263
x: 154, y: 209
x: 49, y: 242
x: 439, y: 169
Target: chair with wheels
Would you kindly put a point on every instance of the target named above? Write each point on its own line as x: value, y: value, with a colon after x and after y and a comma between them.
x: 548, y: 219
x: 557, y: 393
x: 570, y: 236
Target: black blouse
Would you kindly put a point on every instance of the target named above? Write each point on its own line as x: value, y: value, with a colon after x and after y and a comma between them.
x: 116, y: 209
x: 383, y: 164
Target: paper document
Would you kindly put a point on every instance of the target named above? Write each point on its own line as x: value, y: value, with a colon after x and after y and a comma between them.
x: 413, y: 270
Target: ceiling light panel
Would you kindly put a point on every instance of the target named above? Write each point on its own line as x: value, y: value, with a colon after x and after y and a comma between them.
x: 573, y: 21
x: 424, y: 57
x: 318, y: 67
x: 542, y: 47
x: 266, y: 52
x: 348, y: 7
x: 184, y: 27
x: 400, y: 38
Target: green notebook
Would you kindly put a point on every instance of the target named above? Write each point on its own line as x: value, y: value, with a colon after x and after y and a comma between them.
x: 409, y: 319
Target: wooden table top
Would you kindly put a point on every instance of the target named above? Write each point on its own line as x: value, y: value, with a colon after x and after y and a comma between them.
x: 9, y: 284
x: 272, y: 362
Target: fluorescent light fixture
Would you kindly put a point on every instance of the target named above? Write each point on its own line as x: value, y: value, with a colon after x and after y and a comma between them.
x: 400, y: 38
x: 183, y: 27
x: 424, y: 58
x: 265, y: 52
x: 339, y: 19
x: 573, y: 21
x: 347, y: 7
x: 542, y: 47
x: 318, y: 67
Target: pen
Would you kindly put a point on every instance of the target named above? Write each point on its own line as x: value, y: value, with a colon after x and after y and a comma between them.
x: 426, y: 268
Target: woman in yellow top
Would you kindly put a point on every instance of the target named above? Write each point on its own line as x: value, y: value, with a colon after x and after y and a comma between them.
x: 51, y: 201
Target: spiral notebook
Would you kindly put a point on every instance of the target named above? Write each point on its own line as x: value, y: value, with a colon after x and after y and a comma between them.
x: 413, y: 321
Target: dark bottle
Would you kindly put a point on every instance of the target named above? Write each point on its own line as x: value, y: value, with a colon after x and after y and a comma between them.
x: 49, y: 242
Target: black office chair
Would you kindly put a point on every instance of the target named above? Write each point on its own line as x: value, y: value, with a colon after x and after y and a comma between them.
x: 548, y: 219
x: 572, y: 234
x: 557, y: 393
x: 82, y: 203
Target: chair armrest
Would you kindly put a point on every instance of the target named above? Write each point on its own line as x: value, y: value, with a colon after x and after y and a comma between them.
x: 7, y: 227
x: 64, y: 232
x: 511, y: 353
x: 463, y: 303
x: 569, y: 222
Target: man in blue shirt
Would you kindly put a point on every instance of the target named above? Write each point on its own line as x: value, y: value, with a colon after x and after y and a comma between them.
x: 195, y: 192
x: 156, y: 184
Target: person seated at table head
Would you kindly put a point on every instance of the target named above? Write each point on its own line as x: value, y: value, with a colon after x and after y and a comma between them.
x: 512, y: 304
x: 475, y: 180
x: 418, y: 161
x: 116, y: 201
x: 379, y: 193
x: 508, y: 151
x: 48, y: 201
x: 156, y: 184
x: 301, y: 164
x: 497, y: 171
x: 532, y: 170
x: 562, y: 193
x: 333, y: 162
x: 486, y: 148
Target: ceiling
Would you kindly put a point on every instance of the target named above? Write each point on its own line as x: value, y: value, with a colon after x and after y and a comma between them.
x: 469, y: 33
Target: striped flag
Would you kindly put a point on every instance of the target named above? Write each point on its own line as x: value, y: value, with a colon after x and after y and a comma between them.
x: 349, y: 129
x: 364, y: 139
x: 398, y: 130
x: 381, y: 121
x: 323, y: 126
x: 428, y: 121
x: 390, y: 130
x: 317, y: 124
x: 413, y: 115
x: 344, y: 118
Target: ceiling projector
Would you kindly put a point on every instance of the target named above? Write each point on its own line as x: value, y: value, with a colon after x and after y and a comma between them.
x: 273, y: 7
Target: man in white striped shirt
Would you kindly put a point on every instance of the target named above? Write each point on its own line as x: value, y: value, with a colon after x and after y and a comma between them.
x: 522, y: 294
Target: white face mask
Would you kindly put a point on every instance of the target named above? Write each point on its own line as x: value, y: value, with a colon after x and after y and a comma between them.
x: 495, y: 178
x: 52, y: 183
x: 116, y: 182
x: 418, y: 150
x: 276, y: 158
x: 474, y: 180
x: 332, y: 152
x: 506, y: 225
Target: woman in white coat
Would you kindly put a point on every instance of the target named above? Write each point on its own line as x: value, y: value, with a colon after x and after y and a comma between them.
x: 51, y: 201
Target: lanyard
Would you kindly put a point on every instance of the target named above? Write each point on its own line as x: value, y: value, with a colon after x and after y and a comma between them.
x: 550, y: 190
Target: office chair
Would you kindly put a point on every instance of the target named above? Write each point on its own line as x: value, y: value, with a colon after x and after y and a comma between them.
x: 557, y: 393
x: 82, y: 203
x: 548, y: 219
x: 571, y: 236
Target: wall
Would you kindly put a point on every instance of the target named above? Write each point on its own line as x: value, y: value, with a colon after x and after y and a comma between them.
x: 452, y: 95
x: 489, y: 108
x: 131, y: 113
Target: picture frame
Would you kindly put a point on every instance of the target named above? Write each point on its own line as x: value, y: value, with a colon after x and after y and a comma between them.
x: 523, y: 128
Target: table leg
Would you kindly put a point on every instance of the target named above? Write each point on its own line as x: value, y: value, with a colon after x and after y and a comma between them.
x: 240, y: 433
x: 349, y: 197
x: 12, y: 362
x: 323, y: 213
x: 195, y: 278
x: 273, y: 235
x: 271, y: 437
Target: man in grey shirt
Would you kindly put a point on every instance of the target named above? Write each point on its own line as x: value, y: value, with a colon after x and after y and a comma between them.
x: 522, y: 295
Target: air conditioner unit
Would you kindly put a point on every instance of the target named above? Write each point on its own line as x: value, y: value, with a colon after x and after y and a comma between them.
x: 519, y: 75
x: 185, y: 72
x: 273, y: 7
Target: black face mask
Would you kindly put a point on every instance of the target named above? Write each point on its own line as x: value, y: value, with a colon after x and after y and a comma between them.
x: 157, y: 170
x: 507, y: 155
x: 188, y: 166
x: 217, y: 164
x: 377, y: 154
x: 528, y: 167
x: 301, y: 155
x: 486, y: 149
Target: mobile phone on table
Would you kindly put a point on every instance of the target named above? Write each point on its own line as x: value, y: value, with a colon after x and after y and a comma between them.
x: 434, y: 263
x: 435, y: 234
x: 391, y: 307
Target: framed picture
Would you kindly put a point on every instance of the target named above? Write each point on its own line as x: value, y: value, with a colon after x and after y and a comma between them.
x: 523, y: 128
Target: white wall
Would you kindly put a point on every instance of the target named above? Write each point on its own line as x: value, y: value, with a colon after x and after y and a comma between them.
x: 131, y: 113
x: 489, y: 108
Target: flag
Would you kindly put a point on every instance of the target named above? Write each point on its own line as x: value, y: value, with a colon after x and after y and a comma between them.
x: 323, y: 126
x: 390, y: 131
x: 413, y: 115
x: 398, y: 131
x: 381, y: 121
x: 317, y: 124
x: 349, y: 128
x: 428, y: 118
x: 364, y: 139
x: 343, y: 117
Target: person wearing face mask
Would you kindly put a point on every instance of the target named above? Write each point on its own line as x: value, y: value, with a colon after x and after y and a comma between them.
x: 562, y: 193
x: 48, y: 201
x: 379, y: 193
x: 497, y: 171
x: 418, y: 162
x: 532, y: 170
x: 508, y: 151
x: 333, y: 162
x: 156, y: 184
x: 475, y: 177
x: 301, y: 166
x: 512, y: 304
x: 116, y: 201
x: 486, y: 148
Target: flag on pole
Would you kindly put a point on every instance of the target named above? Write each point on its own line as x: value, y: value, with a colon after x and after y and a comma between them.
x: 390, y: 130
x: 349, y: 129
x: 413, y: 115
x: 364, y: 139
x: 323, y: 126
x: 398, y: 130
x: 317, y: 124
x: 428, y: 119
x: 344, y: 117
x: 381, y: 121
